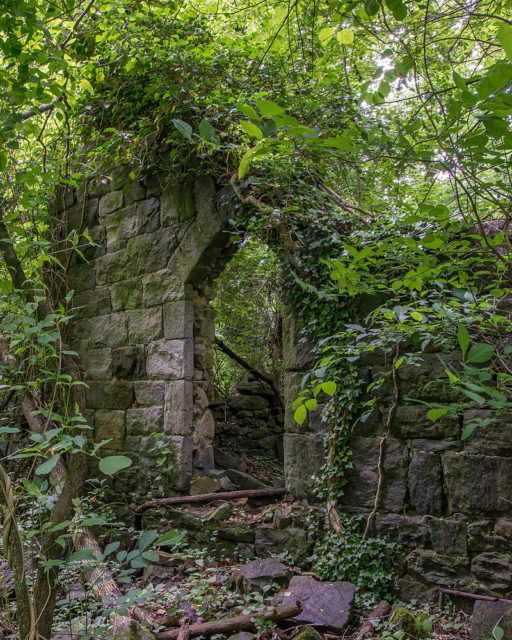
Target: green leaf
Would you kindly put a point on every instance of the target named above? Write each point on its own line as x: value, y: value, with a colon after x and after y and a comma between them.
x: 480, y: 352
x: 329, y: 387
x: 269, y: 108
x: 435, y: 414
x: 505, y: 39
x: 251, y: 129
x: 498, y: 632
x: 468, y: 430
x: 311, y: 404
x: 300, y: 414
x: 463, y: 338
x: 83, y: 554
x: 398, y: 9
x: 416, y: 315
x: 47, y: 466
x: 170, y: 538
x: 85, y: 84
x: 325, y: 34
x: 184, y: 128
x: 113, y: 464
x: 245, y: 163
x: 248, y: 111
x: 4, y: 159
x: 206, y: 130
x: 459, y: 81
x: 345, y: 36
x: 147, y: 538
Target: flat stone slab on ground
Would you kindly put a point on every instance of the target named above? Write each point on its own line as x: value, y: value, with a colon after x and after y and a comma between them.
x: 486, y: 615
x: 204, y: 485
x: 245, y: 480
x: 259, y: 573
x: 327, y: 604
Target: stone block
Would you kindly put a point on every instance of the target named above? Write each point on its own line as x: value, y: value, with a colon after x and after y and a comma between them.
x: 109, y: 395
x: 133, y: 192
x: 144, y: 421
x: 449, y: 536
x: 493, y: 439
x: 178, y: 319
x: 247, y: 403
x: 428, y: 379
x: 270, y: 542
x: 432, y: 446
x: 93, y: 302
x: 245, y: 480
x: 116, y: 266
x: 126, y: 294
x: 260, y: 573
x: 488, y: 615
x: 297, y: 353
x: 177, y: 204
x: 97, y: 364
x: 109, y: 331
x: 204, y: 485
x: 326, y: 604
x: 494, y: 570
x: 476, y: 484
x: 128, y: 363
x: 170, y: 359
x: 178, y: 407
x: 149, y: 393
x: 98, y: 246
x: 151, y: 251
x: 412, y: 422
x: 410, y: 531
x: 110, y: 202
x: 362, y: 478
x: 182, y: 463
x: 144, y: 325
x: 481, y: 536
x: 430, y: 566
x: 81, y: 277
x: 164, y: 286
x: 425, y: 480
x: 304, y: 456
x: 110, y: 425
x: 237, y: 531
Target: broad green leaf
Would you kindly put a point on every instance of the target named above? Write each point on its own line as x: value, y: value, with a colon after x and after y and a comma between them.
x: 245, y: 163
x: 505, y: 39
x: 311, y: 404
x: 184, y: 128
x: 248, y: 111
x: 345, y: 36
x: 251, y: 129
x: 329, y: 387
x: 325, y: 34
x: 435, y: 414
x: 113, y: 464
x: 206, y: 130
x: 269, y: 108
x: 498, y: 632
x: 47, y: 466
x: 416, y: 315
x: 459, y: 81
x: 398, y: 9
x: 463, y: 338
x: 146, y: 538
x: 480, y: 352
x: 83, y: 554
x: 170, y: 538
x: 300, y: 414
x: 4, y: 159
x: 85, y: 84
x: 468, y: 430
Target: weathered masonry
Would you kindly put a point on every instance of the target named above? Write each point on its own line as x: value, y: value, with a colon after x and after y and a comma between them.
x: 144, y: 330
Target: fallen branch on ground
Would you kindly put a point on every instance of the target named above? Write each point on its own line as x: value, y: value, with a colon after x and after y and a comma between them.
x: 229, y: 625
x: 207, y: 497
x: 368, y: 629
x: 261, y: 375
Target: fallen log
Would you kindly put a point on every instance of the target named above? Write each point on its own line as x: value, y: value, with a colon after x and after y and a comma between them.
x: 206, y: 497
x: 238, y: 623
x: 368, y: 629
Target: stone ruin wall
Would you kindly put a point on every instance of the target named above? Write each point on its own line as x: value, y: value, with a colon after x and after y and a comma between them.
x: 144, y: 331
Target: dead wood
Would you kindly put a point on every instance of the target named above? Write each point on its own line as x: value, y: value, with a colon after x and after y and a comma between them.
x: 238, y: 623
x: 207, y: 497
x: 261, y: 375
x: 368, y: 629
